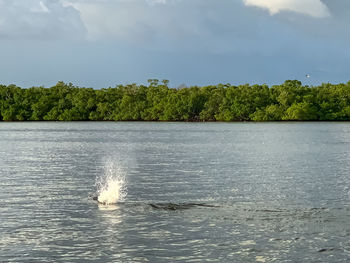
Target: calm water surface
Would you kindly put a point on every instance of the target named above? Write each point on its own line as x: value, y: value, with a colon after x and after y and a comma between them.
x: 282, y: 192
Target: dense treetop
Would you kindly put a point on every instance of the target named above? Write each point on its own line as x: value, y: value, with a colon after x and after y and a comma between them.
x: 157, y: 102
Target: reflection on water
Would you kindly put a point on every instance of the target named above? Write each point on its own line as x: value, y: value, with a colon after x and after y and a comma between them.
x: 108, y: 207
x: 271, y: 192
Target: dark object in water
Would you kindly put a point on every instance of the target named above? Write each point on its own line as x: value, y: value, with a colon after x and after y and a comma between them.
x: 167, y: 206
x: 326, y: 249
x: 95, y: 198
x: 173, y: 207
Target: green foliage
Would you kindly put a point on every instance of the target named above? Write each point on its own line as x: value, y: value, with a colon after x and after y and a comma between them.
x: 302, y: 111
x: 290, y: 101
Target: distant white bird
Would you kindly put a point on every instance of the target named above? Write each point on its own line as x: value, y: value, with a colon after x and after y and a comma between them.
x: 307, y: 75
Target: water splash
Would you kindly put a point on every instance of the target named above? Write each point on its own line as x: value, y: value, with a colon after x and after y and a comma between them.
x: 111, y: 186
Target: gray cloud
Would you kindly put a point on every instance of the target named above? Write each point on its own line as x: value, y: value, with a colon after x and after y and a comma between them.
x: 338, y: 7
x: 171, y: 24
x: 191, y: 41
x: 165, y: 23
x: 179, y: 22
x: 138, y: 20
x: 39, y: 19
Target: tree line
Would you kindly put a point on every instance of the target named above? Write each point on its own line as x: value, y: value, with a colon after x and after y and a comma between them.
x: 290, y: 101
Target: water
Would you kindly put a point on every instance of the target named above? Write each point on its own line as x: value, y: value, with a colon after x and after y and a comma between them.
x: 280, y: 192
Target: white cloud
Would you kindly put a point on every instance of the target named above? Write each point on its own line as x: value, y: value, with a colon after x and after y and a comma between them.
x: 39, y: 19
x: 314, y: 8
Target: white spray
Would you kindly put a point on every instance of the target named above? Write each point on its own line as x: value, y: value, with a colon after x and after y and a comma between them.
x: 111, y: 186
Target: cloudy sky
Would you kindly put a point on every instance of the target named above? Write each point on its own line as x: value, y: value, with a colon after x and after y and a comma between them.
x: 101, y: 43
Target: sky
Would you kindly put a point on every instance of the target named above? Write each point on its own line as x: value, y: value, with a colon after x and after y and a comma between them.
x: 103, y: 43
